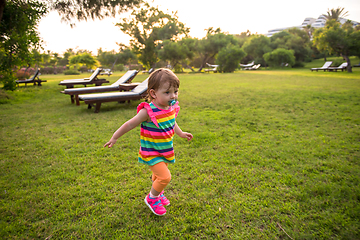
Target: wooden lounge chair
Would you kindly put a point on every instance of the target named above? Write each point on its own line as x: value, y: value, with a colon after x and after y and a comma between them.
x: 324, y: 67
x: 86, y: 81
x: 32, y: 79
x: 213, y: 69
x: 123, y: 84
x: 95, y: 100
x: 342, y: 67
x: 255, y: 67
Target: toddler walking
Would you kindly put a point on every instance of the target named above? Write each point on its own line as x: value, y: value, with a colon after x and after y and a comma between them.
x: 158, y: 126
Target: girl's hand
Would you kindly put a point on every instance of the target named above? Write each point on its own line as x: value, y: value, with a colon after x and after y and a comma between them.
x: 187, y: 135
x: 110, y: 143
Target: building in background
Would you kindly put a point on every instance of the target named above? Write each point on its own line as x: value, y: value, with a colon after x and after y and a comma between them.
x: 315, y: 23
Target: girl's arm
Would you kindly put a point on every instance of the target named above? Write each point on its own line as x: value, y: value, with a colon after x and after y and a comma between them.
x: 127, y: 126
x: 182, y: 134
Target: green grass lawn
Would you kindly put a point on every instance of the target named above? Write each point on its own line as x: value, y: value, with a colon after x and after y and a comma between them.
x: 275, y: 154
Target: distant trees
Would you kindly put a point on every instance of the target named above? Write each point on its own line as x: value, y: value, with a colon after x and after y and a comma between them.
x: 336, y: 14
x: 229, y: 58
x: 280, y: 57
x: 257, y: 46
x: 293, y: 39
x: 343, y: 40
x: 209, y: 46
x: 149, y: 27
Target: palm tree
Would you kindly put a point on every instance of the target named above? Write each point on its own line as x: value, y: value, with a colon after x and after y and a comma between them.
x: 336, y: 14
x: 309, y: 30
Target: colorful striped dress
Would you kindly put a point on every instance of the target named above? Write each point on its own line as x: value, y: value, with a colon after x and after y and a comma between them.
x: 156, y: 138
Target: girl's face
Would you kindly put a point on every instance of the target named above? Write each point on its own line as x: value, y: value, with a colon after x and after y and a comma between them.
x: 163, y: 95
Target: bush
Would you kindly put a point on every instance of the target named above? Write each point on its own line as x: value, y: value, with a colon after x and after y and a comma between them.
x: 9, y: 80
x: 280, y: 56
x: 229, y: 58
x: 71, y: 72
x: 119, y: 67
x: 298, y: 64
x: 53, y: 70
x: 24, y: 73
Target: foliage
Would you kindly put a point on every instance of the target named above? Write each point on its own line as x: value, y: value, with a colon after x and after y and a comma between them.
x: 229, y: 58
x: 125, y: 56
x: 280, y: 56
x: 294, y: 39
x: 84, y: 59
x: 257, y: 46
x: 18, y: 36
x: 178, y: 52
x: 343, y: 40
x: 210, y: 46
x: 149, y: 27
x: 71, y: 72
x: 336, y: 14
x: 85, y: 9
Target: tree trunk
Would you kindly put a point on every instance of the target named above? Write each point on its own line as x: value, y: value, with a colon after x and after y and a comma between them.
x: 2, y: 6
x: 349, y: 68
x: 187, y: 66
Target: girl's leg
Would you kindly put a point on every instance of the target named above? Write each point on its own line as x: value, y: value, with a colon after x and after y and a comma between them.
x: 161, y: 178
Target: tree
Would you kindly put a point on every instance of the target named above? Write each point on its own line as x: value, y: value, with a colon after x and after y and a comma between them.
x: 149, y: 27
x: 279, y: 57
x: 257, y: 46
x: 83, y: 9
x: 309, y: 30
x: 18, y: 36
x: 84, y: 59
x: 336, y: 14
x: 178, y: 52
x: 343, y: 40
x: 210, y: 46
x: 294, y: 39
x: 229, y: 58
x: 173, y: 52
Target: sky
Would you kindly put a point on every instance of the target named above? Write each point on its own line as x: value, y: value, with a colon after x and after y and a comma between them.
x: 231, y: 16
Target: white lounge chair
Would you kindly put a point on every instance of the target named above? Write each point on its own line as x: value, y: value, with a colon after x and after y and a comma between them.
x: 85, y: 81
x: 255, y: 67
x: 342, y: 67
x: 247, y: 65
x: 324, y: 67
x: 214, y: 68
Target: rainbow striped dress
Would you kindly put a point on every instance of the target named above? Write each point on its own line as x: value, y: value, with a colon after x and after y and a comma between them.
x: 156, y: 138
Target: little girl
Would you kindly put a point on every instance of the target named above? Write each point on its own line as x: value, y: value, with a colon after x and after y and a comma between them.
x: 158, y: 126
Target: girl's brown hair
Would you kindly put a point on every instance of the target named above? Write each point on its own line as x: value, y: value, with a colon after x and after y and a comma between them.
x: 159, y: 77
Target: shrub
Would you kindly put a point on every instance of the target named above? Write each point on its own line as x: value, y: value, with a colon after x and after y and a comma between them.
x: 119, y: 67
x: 24, y: 73
x: 279, y: 56
x: 9, y: 80
x: 229, y: 58
x: 71, y: 72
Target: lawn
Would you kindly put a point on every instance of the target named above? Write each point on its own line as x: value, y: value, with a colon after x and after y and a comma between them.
x: 275, y: 155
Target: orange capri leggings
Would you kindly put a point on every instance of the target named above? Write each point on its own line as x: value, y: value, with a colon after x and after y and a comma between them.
x: 161, y: 176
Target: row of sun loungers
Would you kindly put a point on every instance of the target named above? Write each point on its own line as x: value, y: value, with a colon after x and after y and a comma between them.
x: 327, y: 67
x: 121, y: 91
x: 123, y: 84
